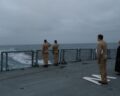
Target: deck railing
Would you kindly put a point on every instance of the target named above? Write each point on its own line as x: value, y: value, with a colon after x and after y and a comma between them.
x: 65, y: 56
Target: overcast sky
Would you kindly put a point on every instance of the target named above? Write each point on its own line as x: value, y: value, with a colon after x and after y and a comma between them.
x: 68, y: 21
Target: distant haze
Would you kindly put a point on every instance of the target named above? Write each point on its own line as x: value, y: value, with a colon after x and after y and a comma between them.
x: 68, y: 21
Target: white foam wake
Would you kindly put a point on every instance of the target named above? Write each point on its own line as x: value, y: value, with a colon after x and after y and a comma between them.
x: 24, y: 58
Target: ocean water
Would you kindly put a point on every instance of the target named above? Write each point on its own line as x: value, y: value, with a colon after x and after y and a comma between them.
x: 61, y: 46
x: 22, y: 60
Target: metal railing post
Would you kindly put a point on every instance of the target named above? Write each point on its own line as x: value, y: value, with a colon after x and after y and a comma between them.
x: 60, y: 60
x: 108, y: 52
x: 6, y: 61
x: 79, y: 52
x: 77, y: 55
x: 91, y: 54
x: 1, y: 61
x: 58, y: 56
x: 63, y: 57
x: 94, y: 54
x: 32, y: 60
x: 36, y: 58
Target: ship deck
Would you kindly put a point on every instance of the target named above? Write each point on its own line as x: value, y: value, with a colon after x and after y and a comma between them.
x: 62, y: 80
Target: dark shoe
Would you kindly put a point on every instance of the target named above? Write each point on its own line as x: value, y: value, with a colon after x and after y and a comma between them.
x: 102, y: 82
x: 117, y: 73
x: 56, y: 64
x: 45, y: 66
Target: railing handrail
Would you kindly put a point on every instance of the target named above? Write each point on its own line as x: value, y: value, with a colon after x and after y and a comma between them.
x: 19, y: 51
x: 62, y: 54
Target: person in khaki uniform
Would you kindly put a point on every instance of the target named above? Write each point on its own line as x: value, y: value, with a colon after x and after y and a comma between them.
x: 55, y: 52
x: 45, y: 52
x: 102, y: 58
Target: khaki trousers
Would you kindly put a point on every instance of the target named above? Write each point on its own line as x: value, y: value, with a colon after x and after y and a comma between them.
x: 55, y: 58
x: 102, y: 67
x: 45, y: 58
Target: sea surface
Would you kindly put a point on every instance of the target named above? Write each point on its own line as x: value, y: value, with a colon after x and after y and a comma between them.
x: 22, y: 60
x: 61, y: 46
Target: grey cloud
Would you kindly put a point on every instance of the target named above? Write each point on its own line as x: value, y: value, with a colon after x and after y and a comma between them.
x: 69, y: 21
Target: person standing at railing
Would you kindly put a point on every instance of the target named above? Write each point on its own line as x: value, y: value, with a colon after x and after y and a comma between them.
x: 102, y: 59
x: 117, y: 62
x: 55, y: 52
x: 45, y: 52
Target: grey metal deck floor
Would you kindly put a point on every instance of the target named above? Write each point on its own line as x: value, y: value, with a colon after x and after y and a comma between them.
x: 58, y: 81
